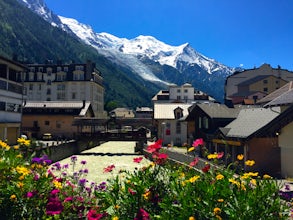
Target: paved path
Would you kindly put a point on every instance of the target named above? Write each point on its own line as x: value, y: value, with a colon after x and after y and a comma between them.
x: 121, y: 154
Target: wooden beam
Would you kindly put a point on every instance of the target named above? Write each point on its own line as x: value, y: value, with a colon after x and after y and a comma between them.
x: 226, y: 142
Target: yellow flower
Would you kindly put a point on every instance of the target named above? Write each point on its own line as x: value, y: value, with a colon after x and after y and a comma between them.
x: 21, y: 177
x: 22, y: 170
x: 193, y: 179
x: 117, y: 207
x: 250, y: 162
x: 183, y: 183
x: 4, y: 145
x: 191, y: 218
x: 266, y: 176
x: 13, y: 197
x: 23, y: 141
x: 190, y: 149
x: 218, y: 217
x: 212, y: 156
x: 220, y: 200
x: 18, y: 156
x: 147, y: 195
x: 115, y: 218
x: 57, y: 184
x: 253, y: 182
x: 20, y: 184
x: 240, y: 156
x: 250, y: 174
x: 219, y: 177
x: 217, y: 211
x: 16, y: 147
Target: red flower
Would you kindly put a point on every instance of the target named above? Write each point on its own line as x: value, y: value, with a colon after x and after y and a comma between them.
x: 160, y: 158
x: 137, y: 159
x: 93, y: 215
x: 194, y: 162
x: 142, y: 215
x: 131, y: 191
x: 155, y: 147
x: 206, y: 168
x: 198, y: 142
x: 220, y: 155
x: 109, y: 168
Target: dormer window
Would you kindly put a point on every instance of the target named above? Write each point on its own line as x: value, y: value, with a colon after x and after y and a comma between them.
x: 178, y: 112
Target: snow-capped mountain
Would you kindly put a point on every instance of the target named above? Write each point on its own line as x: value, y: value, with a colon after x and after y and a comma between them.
x: 137, y: 53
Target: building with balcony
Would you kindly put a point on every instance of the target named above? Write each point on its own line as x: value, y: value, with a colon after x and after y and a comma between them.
x: 66, y: 82
x: 11, y: 98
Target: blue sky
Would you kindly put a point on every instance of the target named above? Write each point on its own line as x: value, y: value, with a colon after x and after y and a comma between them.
x: 233, y: 32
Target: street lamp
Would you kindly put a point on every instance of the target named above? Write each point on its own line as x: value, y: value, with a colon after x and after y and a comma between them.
x: 163, y: 131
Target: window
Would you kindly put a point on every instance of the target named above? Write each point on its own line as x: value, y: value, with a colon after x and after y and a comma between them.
x: 41, y: 69
x: 199, y: 122
x: 31, y: 76
x: 205, y: 122
x: 31, y: 87
x: 73, y: 95
x: 66, y: 69
x: 178, y: 90
x: 32, y: 69
x: 58, y: 68
x: 178, y: 97
x: 277, y: 81
x: 49, y: 82
x: 79, y: 68
x: 48, y: 91
x: 61, y: 87
x: 265, y: 89
x: 60, y: 95
x: 39, y: 76
x: 58, y: 124
x: 265, y: 81
x: 40, y: 86
x: 178, y: 128
x: 185, y: 90
x: 47, y: 123
x: 49, y: 71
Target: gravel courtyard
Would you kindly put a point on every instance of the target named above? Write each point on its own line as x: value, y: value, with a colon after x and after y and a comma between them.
x: 119, y: 154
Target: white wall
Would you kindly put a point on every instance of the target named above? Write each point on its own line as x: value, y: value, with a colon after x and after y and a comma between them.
x: 286, y: 144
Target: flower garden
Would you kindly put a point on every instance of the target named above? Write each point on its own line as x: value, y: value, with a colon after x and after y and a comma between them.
x: 33, y: 188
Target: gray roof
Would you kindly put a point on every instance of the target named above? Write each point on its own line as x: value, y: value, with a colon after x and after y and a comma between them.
x: 215, y: 110
x: 251, y: 120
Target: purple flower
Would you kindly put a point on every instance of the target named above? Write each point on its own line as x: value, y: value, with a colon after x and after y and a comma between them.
x: 54, y: 206
x: 57, y: 166
x: 73, y: 158
x: 47, y: 162
x: 65, y: 166
x: 85, y: 171
x: 36, y: 160
x: 82, y: 182
x: 83, y: 162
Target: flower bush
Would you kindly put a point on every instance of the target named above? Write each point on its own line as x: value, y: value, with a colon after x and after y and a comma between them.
x: 31, y: 189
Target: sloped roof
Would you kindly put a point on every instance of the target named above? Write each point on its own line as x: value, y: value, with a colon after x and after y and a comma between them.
x: 84, y: 106
x: 215, y: 110
x: 166, y: 110
x: 251, y: 120
x: 281, y: 96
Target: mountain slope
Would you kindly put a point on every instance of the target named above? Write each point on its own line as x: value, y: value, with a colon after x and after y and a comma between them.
x: 188, y: 65
x: 33, y: 40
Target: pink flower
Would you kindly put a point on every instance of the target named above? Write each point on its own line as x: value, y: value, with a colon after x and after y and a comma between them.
x: 137, y: 159
x: 220, y: 155
x: 93, y: 215
x: 54, y: 206
x: 142, y: 215
x: 109, y: 168
x: 194, y: 162
x: 160, y: 158
x: 68, y: 199
x: 29, y: 194
x: 155, y: 147
x: 198, y: 142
